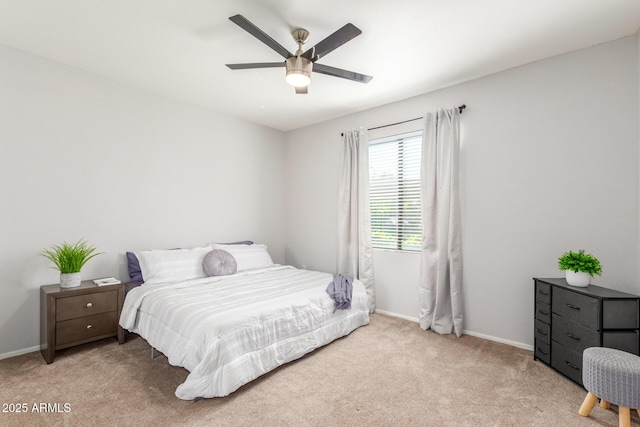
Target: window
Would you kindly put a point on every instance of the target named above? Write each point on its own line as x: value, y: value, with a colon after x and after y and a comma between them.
x: 394, y: 192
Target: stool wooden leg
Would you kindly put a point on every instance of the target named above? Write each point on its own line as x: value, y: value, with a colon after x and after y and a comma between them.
x: 638, y: 411
x: 604, y: 404
x: 588, y: 404
x: 624, y: 416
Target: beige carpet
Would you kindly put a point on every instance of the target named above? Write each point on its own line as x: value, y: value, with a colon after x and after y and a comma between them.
x: 389, y: 373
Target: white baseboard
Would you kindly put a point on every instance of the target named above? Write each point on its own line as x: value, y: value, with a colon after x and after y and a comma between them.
x: 401, y: 316
x: 500, y: 340
x: 473, y: 334
x: 19, y: 352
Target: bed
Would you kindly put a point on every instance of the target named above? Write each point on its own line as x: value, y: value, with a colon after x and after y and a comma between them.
x: 227, y: 330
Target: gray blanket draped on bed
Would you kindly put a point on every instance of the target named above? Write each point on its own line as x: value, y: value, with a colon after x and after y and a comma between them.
x: 341, y: 290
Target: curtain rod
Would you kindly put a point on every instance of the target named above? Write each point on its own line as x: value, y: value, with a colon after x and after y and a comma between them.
x: 460, y: 109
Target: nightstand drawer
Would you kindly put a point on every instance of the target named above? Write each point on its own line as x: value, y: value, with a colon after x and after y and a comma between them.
x: 86, y: 305
x: 573, y: 335
x: 83, y: 328
x: 577, y: 307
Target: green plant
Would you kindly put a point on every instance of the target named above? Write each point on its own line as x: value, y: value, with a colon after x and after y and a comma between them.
x: 579, y: 261
x: 70, y: 258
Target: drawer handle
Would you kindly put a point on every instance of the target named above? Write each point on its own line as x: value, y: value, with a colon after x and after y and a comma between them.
x: 543, y: 293
x: 546, y: 313
x: 541, y: 331
x: 89, y: 305
x: 571, y: 365
x: 570, y: 335
x: 541, y: 350
x: 89, y: 326
x: 573, y: 307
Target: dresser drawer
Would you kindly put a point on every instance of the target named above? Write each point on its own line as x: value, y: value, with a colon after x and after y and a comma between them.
x: 541, y: 332
x: 567, y: 361
x: 622, y: 340
x: 543, y: 351
x: 543, y: 292
x: 573, y: 335
x: 576, y: 307
x: 86, y: 305
x: 620, y: 314
x: 543, y: 312
x: 83, y: 328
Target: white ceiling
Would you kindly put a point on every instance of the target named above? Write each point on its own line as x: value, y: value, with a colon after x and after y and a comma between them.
x: 178, y: 48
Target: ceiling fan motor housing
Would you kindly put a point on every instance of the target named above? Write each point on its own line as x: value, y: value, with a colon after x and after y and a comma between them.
x: 299, y: 68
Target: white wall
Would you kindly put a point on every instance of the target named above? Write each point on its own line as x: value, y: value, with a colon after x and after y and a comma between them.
x: 638, y: 89
x: 85, y: 157
x: 549, y: 161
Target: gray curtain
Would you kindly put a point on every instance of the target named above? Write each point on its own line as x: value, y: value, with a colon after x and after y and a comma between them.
x: 355, y: 256
x: 441, y: 259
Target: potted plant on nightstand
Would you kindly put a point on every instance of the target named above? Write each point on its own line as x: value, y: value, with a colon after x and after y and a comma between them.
x: 579, y: 267
x: 69, y: 260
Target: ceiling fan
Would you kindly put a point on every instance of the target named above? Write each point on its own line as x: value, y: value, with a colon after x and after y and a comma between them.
x: 299, y: 66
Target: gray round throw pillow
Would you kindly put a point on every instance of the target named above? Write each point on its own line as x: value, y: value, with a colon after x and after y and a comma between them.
x: 219, y: 263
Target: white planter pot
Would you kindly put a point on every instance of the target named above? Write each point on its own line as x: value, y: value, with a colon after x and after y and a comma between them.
x: 578, y: 279
x: 70, y: 280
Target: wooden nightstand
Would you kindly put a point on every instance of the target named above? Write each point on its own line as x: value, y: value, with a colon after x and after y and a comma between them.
x: 73, y: 316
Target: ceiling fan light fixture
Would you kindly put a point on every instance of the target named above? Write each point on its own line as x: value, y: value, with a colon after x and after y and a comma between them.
x: 299, y: 71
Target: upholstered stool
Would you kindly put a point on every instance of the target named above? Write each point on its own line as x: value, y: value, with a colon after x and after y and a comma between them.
x: 614, y: 377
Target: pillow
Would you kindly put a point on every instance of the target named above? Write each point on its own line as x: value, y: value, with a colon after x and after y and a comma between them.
x: 219, y: 263
x: 248, y: 256
x: 161, y: 266
x: 134, y: 268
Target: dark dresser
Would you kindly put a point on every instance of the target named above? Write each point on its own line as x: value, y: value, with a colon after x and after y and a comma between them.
x: 569, y: 319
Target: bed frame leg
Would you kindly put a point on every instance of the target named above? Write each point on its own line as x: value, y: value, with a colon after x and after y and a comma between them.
x: 153, y: 353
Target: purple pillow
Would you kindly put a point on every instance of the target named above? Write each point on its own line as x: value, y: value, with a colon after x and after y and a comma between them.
x: 134, y: 267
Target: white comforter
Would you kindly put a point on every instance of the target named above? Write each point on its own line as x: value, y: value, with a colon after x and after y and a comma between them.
x: 230, y: 330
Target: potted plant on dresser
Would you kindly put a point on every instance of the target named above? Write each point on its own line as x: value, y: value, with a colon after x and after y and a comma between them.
x: 579, y: 267
x: 69, y: 260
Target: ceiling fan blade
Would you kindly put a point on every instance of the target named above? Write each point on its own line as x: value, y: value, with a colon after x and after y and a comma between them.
x: 302, y: 90
x: 255, y: 65
x: 339, y: 72
x: 246, y: 25
x: 332, y: 42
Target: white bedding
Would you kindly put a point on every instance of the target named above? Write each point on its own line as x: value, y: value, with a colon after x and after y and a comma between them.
x: 229, y: 330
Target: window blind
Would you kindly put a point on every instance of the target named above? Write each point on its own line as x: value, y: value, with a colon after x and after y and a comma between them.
x: 394, y: 192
